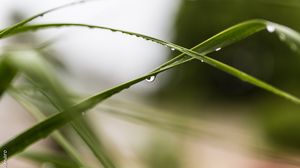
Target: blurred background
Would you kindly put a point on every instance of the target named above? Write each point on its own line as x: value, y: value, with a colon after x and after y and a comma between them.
x: 193, y: 115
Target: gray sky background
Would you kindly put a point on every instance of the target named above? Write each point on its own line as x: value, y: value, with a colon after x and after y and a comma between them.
x: 103, y: 54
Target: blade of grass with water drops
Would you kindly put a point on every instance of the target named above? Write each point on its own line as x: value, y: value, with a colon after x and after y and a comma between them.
x: 25, y: 21
x: 223, y: 39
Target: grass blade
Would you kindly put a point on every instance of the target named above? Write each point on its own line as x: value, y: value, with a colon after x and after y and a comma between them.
x: 7, y: 73
x: 88, y: 136
x: 57, y: 136
x: 85, y: 131
x: 37, y: 69
x: 57, y: 161
x: 23, y: 22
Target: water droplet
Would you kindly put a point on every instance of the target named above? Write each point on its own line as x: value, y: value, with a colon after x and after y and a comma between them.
x: 282, y: 36
x: 218, y: 49
x: 270, y: 28
x: 202, y: 60
x: 151, y: 79
x: 173, y: 49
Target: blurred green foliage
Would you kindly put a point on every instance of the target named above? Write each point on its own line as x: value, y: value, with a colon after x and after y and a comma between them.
x: 7, y: 74
x: 281, y: 126
x: 162, y: 153
x: 262, y: 55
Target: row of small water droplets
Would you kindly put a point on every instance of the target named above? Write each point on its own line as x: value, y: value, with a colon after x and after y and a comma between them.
x: 152, y: 78
x: 271, y: 28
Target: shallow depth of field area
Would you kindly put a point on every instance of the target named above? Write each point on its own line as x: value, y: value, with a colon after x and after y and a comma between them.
x: 150, y: 84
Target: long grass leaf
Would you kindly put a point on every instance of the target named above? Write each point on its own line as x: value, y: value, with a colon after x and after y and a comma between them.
x: 25, y: 21
x: 88, y: 136
x: 54, y: 160
x: 43, y: 74
x: 7, y: 74
x: 57, y: 136
x: 85, y: 131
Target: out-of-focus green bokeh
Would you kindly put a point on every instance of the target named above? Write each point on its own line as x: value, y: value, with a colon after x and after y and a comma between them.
x: 262, y: 55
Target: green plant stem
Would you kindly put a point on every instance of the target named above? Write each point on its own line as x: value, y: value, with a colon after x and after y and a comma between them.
x: 56, y: 135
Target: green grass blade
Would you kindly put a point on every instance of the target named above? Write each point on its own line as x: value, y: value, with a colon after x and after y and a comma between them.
x: 56, y: 121
x: 44, y: 128
x: 57, y: 136
x: 23, y: 22
x: 7, y: 74
x: 85, y: 132
x: 54, y: 159
x: 37, y: 69
x: 177, y: 124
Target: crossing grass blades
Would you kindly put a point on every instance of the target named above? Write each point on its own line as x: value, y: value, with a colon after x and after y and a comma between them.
x: 41, y: 76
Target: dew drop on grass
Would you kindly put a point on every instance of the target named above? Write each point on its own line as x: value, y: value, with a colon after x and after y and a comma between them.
x: 218, y: 49
x: 282, y: 37
x: 151, y: 78
x: 270, y: 28
x: 173, y: 49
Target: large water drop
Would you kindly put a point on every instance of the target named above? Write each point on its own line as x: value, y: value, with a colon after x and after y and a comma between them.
x: 271, y: 28
x: 151, y: 79
x: 218, y: 49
